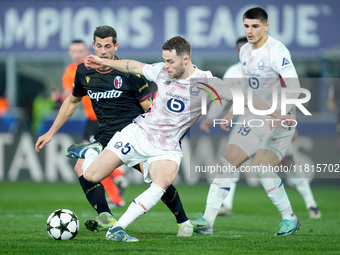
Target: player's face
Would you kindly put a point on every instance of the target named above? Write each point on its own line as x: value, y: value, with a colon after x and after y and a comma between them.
x: 78, y: 52
x: 105, y: 48
x: 174, y: 64
x: 255, y: 32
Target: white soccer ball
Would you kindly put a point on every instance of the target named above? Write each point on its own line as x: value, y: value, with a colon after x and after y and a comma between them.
x: 62, y: 224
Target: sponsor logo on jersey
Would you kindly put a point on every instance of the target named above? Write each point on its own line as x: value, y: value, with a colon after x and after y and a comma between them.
x: 175, y: 105
x: 168, y: 82
x: 253, y: 82
x: 180, y: 97
x: 176, y: 102
x: 104, y: 95
x: 118, y: 82
x: 285, y: 62
x: 87, y: 79
x: 260, y: 65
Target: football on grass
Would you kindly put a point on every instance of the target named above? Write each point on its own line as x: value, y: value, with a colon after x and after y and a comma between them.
x: 62, y: 224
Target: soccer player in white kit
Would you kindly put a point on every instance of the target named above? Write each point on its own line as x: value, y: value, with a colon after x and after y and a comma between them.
x: 265, y: 60
x: 234, y: 76
x: 154, y: 137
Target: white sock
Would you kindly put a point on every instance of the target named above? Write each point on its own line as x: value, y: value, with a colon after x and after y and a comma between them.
x: 187, y: 222
x: 301, y: 183
x: 228, y: 201
x: 143, y: 203
x: 277, y: 194
x: 218, y: 191
x: 90, y: 156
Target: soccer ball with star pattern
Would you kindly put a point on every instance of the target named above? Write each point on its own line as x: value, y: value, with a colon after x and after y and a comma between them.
x: 62, y: 224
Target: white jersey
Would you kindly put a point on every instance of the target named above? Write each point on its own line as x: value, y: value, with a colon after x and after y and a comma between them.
x: 176, y: 108
x: 264, y: 68
x: 235, y: 76
x: 235, y: 71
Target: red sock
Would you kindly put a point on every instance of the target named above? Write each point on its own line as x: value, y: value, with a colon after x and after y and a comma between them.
x: 112, y: 190
x: 117, y: 173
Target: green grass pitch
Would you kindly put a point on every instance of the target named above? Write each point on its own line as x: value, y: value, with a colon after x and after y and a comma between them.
x: 24, y: 208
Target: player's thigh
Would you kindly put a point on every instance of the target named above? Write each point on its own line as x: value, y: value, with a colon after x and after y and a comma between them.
x: 246, y: 138
x: 106, y: 162
x: 243, y: 144
x: 236, y: 155
x: 265, y: 157
x: 290, y: 150
x: 277, y: 142
x: 163, y: 172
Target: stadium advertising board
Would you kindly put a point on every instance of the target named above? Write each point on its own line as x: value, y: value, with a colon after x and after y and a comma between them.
x: 143, y: 26
x: 19, y: 161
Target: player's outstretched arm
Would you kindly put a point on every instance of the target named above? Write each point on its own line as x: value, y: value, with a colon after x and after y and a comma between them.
x: 124, y: 65
x: 66, y: 110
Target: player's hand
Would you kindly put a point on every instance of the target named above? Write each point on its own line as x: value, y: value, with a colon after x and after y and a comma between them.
x: 93, y: 62
x: 283, y: 120
x: 226, y: 126
x: 205, y: 125
x: 42, y: 141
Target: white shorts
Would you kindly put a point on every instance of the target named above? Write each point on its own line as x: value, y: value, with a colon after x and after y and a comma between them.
x: 290, y: 150
x: 132, y: 147
x: 251, y: 139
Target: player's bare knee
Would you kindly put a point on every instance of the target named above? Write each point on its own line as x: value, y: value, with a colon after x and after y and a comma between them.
x: 89, y: 176
x: 164, y: 182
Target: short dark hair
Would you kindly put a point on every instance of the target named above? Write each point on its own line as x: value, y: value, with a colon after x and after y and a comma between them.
x: 77, y: 41
x: 104, y: 32
x: 241, y: 40
x: 178, y: 43
x: 256, y: 13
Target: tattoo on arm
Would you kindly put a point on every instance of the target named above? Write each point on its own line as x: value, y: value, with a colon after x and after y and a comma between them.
x: 127, y: 66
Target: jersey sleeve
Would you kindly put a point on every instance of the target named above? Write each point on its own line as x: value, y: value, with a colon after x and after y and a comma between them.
x: 141, y: 88
x: 152, y: 71
x: 78, y: 89
x: 281, y: 62
x: 283, y: 65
